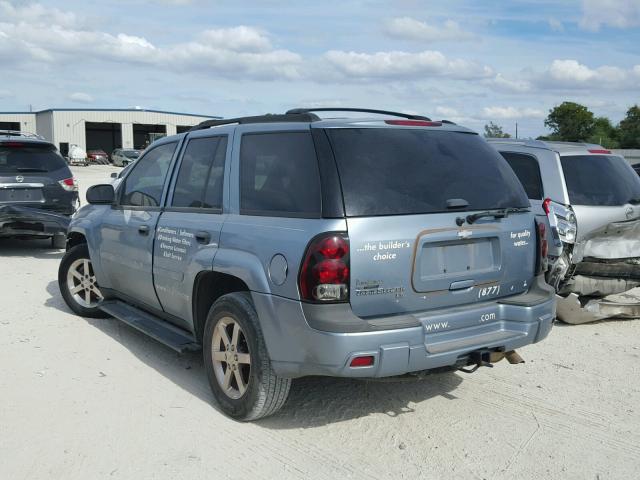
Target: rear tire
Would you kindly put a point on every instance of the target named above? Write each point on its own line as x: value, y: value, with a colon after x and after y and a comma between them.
x: 240, y: 374
x: 75, y: 277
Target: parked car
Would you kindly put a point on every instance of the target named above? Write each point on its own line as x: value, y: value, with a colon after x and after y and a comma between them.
x: 591, y: 199
x: 636, y: 167
x: 365, y: 247
x: 38, y: 193
x: 97, y: 156
x: 123, y: 157
x: 77, y: 156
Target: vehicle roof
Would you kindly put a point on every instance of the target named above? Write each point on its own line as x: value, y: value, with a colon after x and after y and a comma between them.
x: 560, y: 147
x: 23, y: 137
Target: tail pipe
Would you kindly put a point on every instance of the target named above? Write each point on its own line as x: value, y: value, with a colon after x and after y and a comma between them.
x: 513, y: 357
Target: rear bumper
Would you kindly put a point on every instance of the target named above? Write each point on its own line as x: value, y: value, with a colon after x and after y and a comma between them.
x: 18, y: 221
x: 439, y: 338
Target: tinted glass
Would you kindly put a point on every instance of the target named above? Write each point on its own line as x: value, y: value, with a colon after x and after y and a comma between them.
x: 527, y: 171
x: 600, y: 180
x: 395, y: 171
x: 143, y: 186
x: 279, y: 175
x: 30, y: 159
x: 199, y: 183
x: 131, y: 153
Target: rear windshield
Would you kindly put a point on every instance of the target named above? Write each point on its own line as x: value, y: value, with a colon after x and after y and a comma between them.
x: 30, y: 159
x: 604, y: 180
x: 131, y: 153
x: 409, y: 171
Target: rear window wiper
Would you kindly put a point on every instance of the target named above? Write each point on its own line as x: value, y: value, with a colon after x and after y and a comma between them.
x: 498, y: 213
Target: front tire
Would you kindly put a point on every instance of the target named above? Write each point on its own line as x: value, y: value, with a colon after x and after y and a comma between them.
x: 78, y: 285
x: 236, y: 360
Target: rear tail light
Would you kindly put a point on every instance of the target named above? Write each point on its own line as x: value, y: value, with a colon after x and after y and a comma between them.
x: 543, y: 248
x: 601, y: 151
x: 324, y: 276
x: 69, y: 184
x: 413, y: 123
x: 546, y: 205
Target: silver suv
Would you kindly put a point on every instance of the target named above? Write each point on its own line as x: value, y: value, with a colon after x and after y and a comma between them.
x: 290, y: 245
x: 591, y: 199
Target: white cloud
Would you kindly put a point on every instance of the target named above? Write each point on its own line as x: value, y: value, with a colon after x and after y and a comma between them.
x: 510, y: 113
x: 227, y: 52
x: 556, y: 25
x: 36, y: 13
x: 411, y: 29
x: 573, y: 74
x: 610, y: 13
x: 403, y: 65
x: 239, y: 39
x: 501, y: 83
x: 447, y: 112
x: 80, y: 97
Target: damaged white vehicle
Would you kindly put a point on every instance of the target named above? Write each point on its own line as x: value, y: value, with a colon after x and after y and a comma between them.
x: 591, y: 201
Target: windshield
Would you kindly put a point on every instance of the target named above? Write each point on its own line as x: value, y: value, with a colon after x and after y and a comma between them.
x: 409, y: 171
x: 604, y: 180
x: 131, y: 153
x: 25, y: 158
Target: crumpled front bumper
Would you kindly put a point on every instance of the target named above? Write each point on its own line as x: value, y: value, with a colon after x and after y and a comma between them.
x: 16, y: 220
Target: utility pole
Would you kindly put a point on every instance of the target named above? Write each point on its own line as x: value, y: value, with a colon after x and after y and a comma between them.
x: 516, y: 130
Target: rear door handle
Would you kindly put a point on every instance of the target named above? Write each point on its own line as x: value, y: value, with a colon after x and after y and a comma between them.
x: 143, y: 229
x: 203, y: 237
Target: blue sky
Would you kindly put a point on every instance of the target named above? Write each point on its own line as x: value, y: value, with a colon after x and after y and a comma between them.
x: 467, y: 61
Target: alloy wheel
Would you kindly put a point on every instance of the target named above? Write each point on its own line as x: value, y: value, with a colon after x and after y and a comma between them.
x: 82, y: 284
x: 231, y: 357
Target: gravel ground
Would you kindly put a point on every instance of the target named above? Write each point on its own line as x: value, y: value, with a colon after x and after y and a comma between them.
x: 91, y: 399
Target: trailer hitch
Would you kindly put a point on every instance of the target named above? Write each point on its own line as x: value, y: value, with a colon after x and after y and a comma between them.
x: 481, y: 358
x: 486, y: 358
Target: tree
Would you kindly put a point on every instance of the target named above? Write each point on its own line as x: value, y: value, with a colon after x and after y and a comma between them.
x: 570, y: 122
x: 629, y: 129
x: 604, y: 133
x: 493, y: 130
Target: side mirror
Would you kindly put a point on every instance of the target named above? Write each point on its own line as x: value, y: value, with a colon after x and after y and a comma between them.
x: 114, y: 175
x: 101, y: 195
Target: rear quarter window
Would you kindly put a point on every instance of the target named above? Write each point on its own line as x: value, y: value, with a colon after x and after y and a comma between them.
x: 527, y: 170
x: 279, y: 175
x: 605, y: 180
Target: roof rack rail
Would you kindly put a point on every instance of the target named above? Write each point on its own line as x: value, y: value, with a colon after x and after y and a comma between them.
x: 269, y: 118
x: 18, y: 133
x: 363, y: 110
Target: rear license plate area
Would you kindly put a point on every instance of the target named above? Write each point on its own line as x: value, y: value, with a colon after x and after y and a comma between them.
x: 29, y: 195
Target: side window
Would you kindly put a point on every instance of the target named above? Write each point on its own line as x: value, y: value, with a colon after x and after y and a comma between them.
x: 279, y: 175
x: 528, y: 172
x: 200, y: 179
x: 143, y: 186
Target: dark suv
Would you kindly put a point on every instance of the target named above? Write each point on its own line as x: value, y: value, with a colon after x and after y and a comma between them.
x: 288, y: 245
x: 38, y: 193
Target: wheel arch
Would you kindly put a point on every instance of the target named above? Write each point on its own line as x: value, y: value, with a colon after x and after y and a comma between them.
x: 75, y: 238
x: 208, y: 287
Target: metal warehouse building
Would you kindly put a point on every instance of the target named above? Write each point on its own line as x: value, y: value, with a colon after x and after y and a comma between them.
x: 105, y: 129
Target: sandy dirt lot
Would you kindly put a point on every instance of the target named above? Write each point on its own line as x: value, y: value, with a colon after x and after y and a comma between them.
x: 91, y: 399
